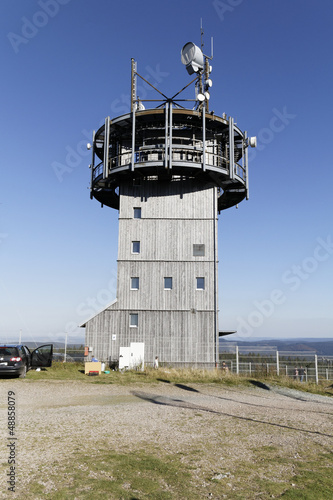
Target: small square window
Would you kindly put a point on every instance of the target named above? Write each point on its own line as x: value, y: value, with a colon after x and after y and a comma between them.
x: 198, y: 250
x: 135, y: 246
x: 137, y: 213
x: 134, y: 320
x: 200, y: 283
x: 168, y: 283
x: 134, y: 283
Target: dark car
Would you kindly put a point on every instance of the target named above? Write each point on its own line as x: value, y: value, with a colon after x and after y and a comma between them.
x: 16, y: 360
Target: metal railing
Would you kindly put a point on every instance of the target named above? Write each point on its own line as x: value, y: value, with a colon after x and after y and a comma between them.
x: 179, y: 155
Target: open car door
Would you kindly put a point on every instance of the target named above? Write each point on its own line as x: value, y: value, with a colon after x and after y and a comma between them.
x: 42, y: 356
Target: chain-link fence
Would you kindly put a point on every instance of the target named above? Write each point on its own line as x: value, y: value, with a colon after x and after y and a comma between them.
x: 303, y: 366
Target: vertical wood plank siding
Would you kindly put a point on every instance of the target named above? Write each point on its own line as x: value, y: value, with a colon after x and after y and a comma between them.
x: 178, y: 325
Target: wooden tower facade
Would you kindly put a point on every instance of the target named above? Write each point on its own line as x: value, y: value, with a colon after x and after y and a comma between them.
x: 169, y: 171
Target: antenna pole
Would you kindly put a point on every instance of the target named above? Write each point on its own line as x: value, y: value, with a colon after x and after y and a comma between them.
x: 206, y: 78
x: 133, y: 83
x: 201, y: 34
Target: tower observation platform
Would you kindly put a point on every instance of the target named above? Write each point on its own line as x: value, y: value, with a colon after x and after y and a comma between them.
x: 171, y: 142
x: 169, y: 170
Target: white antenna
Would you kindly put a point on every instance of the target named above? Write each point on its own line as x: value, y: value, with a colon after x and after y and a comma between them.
x: 196, y: 61
x: 202, y: 42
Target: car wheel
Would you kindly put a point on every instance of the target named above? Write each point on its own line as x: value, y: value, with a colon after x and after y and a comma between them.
x: 23, y: 374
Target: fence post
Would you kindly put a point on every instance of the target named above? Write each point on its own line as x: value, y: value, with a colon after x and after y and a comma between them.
x: 250, y: 367
x: 237, y: 360
x: 277, y: 364
x: 326, y: 373
x: 65, y: 354
x: 316, y: 368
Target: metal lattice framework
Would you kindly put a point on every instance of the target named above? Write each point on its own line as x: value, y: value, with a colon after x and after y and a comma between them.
x: 169, y: 141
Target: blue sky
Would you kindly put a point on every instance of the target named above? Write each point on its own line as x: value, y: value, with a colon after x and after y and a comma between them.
x: 66, y: 65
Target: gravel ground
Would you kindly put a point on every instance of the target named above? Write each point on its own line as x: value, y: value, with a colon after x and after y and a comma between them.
x: 223, y: 426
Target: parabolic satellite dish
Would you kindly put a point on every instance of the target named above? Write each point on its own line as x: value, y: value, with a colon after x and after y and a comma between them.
x: 192, y: 57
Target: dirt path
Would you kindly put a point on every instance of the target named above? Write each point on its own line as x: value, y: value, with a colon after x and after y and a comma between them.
x: 221, y: 427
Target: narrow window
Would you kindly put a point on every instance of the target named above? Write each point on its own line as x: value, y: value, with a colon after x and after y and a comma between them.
x: 134, y: 320
x: 200, y: 283
x: 137, y: 213
x: 135, y: 283
x: 135, y: 246
x: 168, y: 283
x: 198, y: 250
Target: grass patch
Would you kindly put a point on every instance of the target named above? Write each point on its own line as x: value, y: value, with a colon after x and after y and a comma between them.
x: 313, y: 479
x: 143, y: 475
x: 324, y: 388
x: 107, y: 474
x: 75, y: 371
x: 58, y: 371
x: 272, y: 474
